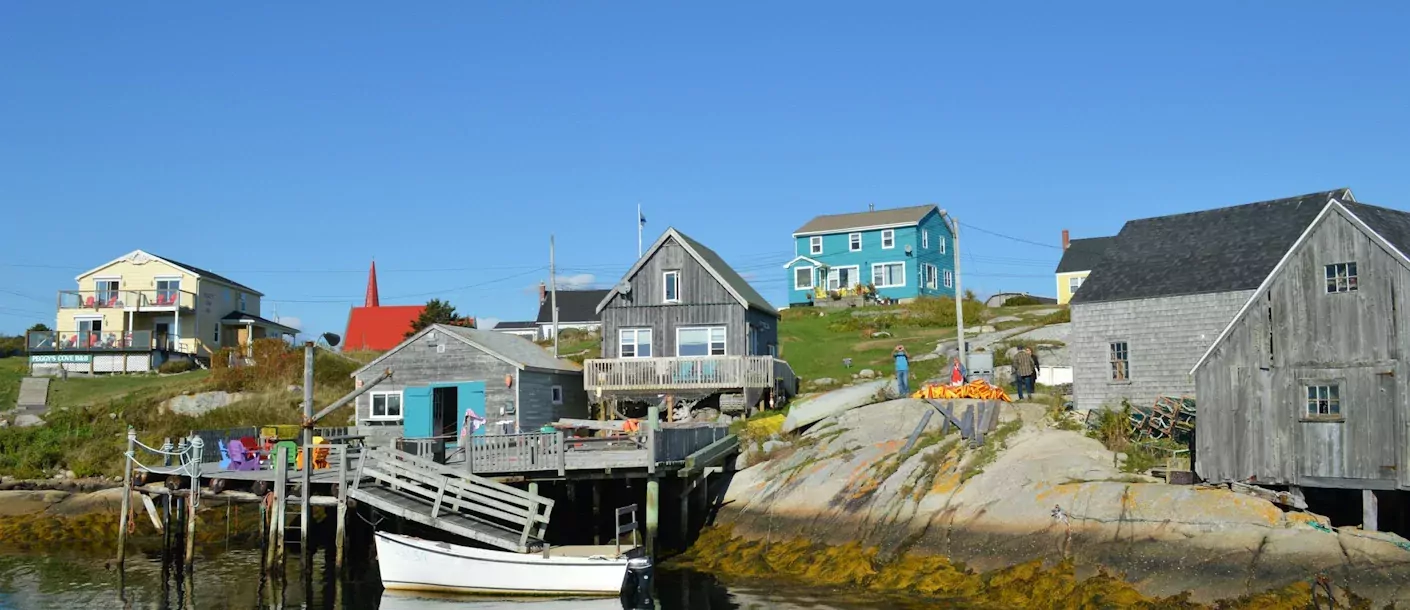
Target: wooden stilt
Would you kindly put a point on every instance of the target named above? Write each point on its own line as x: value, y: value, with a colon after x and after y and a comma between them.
x: 342, y: 510
x: 126, y: 496
x: 686, y: 485
x: 281, y: 503
x: 193, y: 499
x: 1369, y: 510
x: 653, y: 505
x: 596, y: 511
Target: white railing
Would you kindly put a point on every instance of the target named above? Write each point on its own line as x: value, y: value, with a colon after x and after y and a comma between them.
x: 681, y: 373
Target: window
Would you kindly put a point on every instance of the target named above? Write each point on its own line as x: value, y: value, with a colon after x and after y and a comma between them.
x: 815, y: 244
x: 635, y: 343
x: 107, y: 292
x: 1120, y: 362
x: 386, y: 405
x: 1341, y: 277
x: 888, y: 275
x: 703, y: 341
x: 930, y: 276
x: 671, y: 286
x: 949, y: 278
x: 924, y: 239
x: 854, y: 242
x: 242, y: 302
x: 216, y: 335
x: 940, y: 244
x: 803, y: 278
x: 167, y: 291
x: 1073, y: 283
x: 888, y: 239
x: 555, y: 393
x: 843, y: 277
x: 1324, y: 401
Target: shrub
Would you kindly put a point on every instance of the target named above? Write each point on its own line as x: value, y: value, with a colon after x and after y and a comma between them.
x: 176, y: 366
x: 1060, y: 316
x: 1021, y: 300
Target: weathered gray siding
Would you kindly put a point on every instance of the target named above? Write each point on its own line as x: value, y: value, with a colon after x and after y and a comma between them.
x: 536, y: 406
x: 1252, y: 389
x: 765, y: 333
x: 1165, y: 337
x: 704, y: 302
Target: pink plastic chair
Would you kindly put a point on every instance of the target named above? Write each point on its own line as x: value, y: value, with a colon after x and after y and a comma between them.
x: 89, y: 302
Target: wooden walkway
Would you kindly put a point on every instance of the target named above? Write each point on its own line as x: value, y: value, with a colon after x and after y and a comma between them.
x: 557, y: 454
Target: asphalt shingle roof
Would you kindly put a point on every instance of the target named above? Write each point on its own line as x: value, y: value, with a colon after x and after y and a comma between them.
x: 574, y: 306
x: 516, y: 324
x: 1219, y: 250
x: 511, y: 347
x: 729, y: 275
x: 1083, y: 254
x: 208, y: 274
x: 841, y: 222
x: 1393, y: 225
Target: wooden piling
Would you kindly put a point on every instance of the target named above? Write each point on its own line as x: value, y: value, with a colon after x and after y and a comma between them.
x: 596, y: 511
x: 686, y: 486
x: 307, y: 449
x: 653, y: 505
x: 1369, y: 510
x: 193, y: 498
x: 281, y: 476
x: 342, y: 509
x: 126, y: 495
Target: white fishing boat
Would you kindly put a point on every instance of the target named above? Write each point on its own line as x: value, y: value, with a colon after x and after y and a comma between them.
x: 413, y: 564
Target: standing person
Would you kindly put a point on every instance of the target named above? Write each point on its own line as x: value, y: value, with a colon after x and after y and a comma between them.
x: 1022, y: 368
x: 1033, y: 379
x: 903, y: 371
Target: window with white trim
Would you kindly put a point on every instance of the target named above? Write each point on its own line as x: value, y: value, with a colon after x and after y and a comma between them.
x: 925, y: 239
x: 803, y: 278
x: 949, y: 278
x: 555, y: 394
x: 634, y: 343
x: 931, y: 276
x: 888, y: 239
x: 854, y: 242
x: 385, y: 405
x: 1324, y: 400
x: 700, y: 341
x: 1341, y: 277
x: 940, y: 244
x: 888, y: 275
x: 1073, y: 283
x: 671, y: 286
x: 1120, y: 361
x: 815, y: 244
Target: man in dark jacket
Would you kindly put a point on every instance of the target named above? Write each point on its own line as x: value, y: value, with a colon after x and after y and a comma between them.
x: 1023, y: 369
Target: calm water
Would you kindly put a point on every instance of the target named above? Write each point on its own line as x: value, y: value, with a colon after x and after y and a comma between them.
x: 232, y: 581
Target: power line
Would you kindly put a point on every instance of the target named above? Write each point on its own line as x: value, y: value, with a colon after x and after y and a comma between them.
x: 1010, y: 237
x: 23, y: 295
x: 418, y: 294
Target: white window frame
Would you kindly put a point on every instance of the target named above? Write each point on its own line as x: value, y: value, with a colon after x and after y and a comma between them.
x: 888, y: 236
x: 834, y: 273
x: 1122, y: 356
x: 709, y: 340
x: 940, y: 243
x: 174, y: 291
x: 930, y: 275
x: 372, y: 406
x: 116, y: 290
x: 636, y: 340
x: 1073, y: 283
x: 925, y: 239
x: 666, y: 287
x: 812, y: 277
x: 1341, y: 277
x: 555, y: 394
x: 901, y: 275
x: 815, y: 244
x: 854, y: 242
x: 949, y: 278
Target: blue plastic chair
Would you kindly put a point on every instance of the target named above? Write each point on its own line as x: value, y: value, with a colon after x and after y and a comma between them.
x: 224, y: 456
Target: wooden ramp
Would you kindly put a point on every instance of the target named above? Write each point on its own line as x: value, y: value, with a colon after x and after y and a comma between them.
x: 452, y: 501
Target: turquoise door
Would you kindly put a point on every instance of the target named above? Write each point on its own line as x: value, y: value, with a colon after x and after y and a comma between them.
x: 416, y: 412
x: 469, y: 397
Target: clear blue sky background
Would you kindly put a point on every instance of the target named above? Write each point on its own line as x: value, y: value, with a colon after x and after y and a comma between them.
x: 285, y: 145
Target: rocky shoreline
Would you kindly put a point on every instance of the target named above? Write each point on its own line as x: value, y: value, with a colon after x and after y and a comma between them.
x: 1035, y: 493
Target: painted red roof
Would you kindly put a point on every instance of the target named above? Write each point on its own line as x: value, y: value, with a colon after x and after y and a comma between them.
x: 379, y: 328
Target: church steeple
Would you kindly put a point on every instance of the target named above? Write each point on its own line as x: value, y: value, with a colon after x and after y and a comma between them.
x: 372, y: 286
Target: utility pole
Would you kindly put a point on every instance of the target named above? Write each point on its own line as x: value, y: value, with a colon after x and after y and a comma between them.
x: 639, y: 224
x: 553, y: 295
x: 959, y: 292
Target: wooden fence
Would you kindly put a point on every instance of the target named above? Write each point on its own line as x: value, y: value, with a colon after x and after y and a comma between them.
x: 681, y: 373
x: 517, y: 452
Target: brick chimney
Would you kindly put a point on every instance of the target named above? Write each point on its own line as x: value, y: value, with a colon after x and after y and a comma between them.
x: 1065, y: 241
x: 543, y: 292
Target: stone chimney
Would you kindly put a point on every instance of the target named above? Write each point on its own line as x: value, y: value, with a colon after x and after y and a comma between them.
x: 1065, y: 240
x: 543, y: 292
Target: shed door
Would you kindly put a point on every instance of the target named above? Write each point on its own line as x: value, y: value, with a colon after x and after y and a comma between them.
x: 416, y: 412
x: 1347, y: 422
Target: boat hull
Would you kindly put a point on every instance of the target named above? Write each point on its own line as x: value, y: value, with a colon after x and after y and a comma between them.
x: 413, y: 564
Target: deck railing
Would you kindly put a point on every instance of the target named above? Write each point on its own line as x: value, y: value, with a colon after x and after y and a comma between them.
x: 98, y: 341
x: 517, y: 452
x: 137, y: 300
x: 683, y: 373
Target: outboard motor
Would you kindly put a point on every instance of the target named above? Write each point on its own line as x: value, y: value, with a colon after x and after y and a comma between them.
x: 636, y: 590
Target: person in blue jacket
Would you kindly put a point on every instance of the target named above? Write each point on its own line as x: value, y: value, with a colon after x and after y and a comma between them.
x: 903, y: 371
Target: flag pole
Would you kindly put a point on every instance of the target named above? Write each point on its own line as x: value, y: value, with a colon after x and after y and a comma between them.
x: 638, y: 230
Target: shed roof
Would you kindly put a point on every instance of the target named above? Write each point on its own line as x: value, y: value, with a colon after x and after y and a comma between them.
x: 716, y: 266
x: 574, y: 306
x: 513, y: 349
x: 1219, y: 250
x: 1083, y: 254
x: 832, y: 223
x: 506, y: 325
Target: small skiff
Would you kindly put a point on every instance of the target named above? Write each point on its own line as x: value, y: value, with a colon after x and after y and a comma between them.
x: 413, y: 564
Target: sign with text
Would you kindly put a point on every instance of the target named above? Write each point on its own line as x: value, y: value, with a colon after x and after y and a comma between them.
x: 60, y: 358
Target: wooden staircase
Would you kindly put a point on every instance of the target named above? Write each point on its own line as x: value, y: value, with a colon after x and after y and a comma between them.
x: 452, y: 500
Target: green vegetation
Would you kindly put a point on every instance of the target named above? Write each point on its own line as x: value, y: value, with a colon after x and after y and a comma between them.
x: 994, y: 442
x: 172, y: 367
x: 1061, y: 316
x: 815, y: 340
x: 438, y: 312
x: 1021, y: 300
x: 576, y: 345
x: 1113, y: 428
x: 12, y: 370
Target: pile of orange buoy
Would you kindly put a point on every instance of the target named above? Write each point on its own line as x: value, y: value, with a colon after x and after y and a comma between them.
x: 977, y: 389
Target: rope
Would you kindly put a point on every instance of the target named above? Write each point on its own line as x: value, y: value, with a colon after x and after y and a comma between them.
x: 158, y: 451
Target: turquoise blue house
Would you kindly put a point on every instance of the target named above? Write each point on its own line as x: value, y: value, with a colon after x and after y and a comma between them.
x: 903, y: 252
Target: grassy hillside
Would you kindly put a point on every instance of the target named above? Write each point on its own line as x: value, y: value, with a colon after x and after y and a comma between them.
x: 11, y: 371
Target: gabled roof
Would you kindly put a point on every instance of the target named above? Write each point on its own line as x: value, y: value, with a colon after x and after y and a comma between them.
x: 879, y: 219
x: 523, y: 324
x: 811, y: 261
x: 574, y: 306
x: 379, y: 328
x: 512, y: 349
x: 716, y: 266
x: 240, y: 317
x: 1083, y: 254
x: 1219, y: 250
x: 137, y: 255
x: 1388, y: 228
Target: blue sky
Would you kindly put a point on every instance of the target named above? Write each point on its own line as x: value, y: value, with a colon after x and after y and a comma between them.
x: 285, y: 145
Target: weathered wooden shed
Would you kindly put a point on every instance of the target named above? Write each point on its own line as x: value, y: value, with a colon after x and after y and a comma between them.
x: 1307, y: 385
x: 443, y: 371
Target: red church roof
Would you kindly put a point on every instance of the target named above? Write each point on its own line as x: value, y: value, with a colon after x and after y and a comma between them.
x: 379, y: 328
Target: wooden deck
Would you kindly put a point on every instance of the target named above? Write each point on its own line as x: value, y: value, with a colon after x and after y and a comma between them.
x: 559, y: 454
x: 707, y: 373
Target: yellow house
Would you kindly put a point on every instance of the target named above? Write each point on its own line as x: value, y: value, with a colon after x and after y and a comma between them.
x: 1079, y: 257
x: 142, y: 304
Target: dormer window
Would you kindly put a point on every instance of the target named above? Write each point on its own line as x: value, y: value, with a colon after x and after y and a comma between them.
x: 815, y: 244
x: 1341, y: 277
x: 888, y: 239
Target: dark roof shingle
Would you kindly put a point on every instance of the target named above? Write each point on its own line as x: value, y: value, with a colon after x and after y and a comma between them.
x: 503, y: 325
x: 1083, y: 254
x: 841, y: 222
x: 1393, y: 225
x: 208, y: 274
x: 1219, y: 250
x: 574, y: 306
x: 729, y: 275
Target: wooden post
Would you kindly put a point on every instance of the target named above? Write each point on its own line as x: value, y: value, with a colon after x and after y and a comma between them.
x: 686, y: 486
x: 1369, y: 509
x: 342, y: 507
x: 126, y: 495
x: 193, y: 497
x: 596, y: 511
x: 653, y: 501
x: 307, y: 443
x: 281, y: 476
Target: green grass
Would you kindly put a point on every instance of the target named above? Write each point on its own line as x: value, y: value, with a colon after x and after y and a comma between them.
x: 576, y: 345
x: 12, y: 370
x: 816, y: 340
x: 77, y: 392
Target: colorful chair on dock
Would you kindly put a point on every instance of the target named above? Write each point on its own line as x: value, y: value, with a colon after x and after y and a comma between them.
x: 293, y: 452
x: 224, y: 455
x: 239, y: 457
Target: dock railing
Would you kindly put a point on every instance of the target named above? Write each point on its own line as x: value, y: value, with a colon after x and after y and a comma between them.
x: 674, y: 444
x: 517, y: 452
x: 683, y: 373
